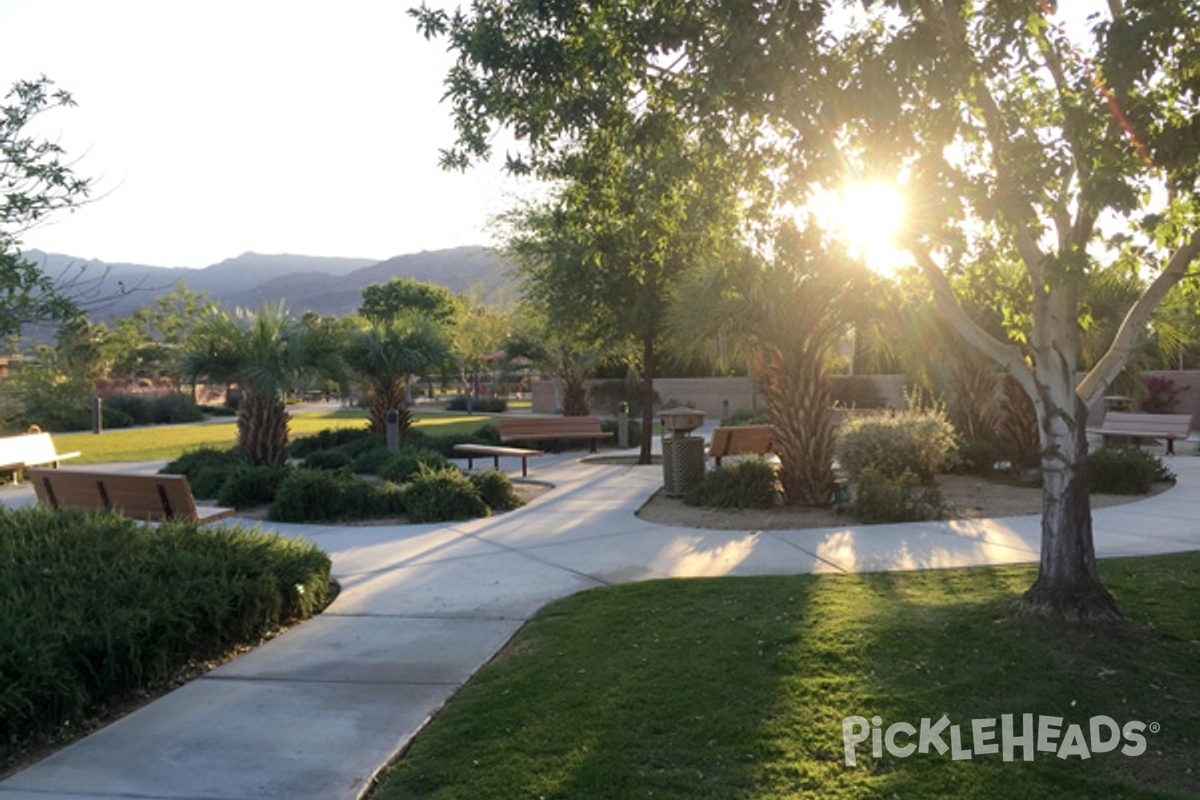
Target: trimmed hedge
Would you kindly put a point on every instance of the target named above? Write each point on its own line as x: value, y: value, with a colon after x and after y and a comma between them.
x: 1125, y: 470
x: 307, y: 495
x: 95, y: 606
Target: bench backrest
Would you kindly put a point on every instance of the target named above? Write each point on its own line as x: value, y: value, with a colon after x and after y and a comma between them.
x: 27, y: 448
x: 1117, y: 422
x: 520, y: 428
x: 139, y: 496
x: 741, y: 440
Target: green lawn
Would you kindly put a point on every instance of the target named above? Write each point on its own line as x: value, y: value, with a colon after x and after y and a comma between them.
x: 738, y: 688
x: 169, y: 441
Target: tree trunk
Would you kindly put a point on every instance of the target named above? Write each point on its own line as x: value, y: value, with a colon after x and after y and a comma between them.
x: 383, y: 400
x: 1068, y: 586
x: 797, y: 393
x: 263, y: 429
x: 648, y: 370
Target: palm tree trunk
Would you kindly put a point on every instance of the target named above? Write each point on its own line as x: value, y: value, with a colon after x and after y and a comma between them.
x: 384, y: 399
x: 797, y: 393
x: 263, y: 429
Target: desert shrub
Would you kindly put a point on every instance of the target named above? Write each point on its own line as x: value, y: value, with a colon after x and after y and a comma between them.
x: 441, y: 496
x: 206, y: 482
x: 750, y: 483
x: 407, y: 462
x: 1125, y: 470
x: 370, y: 461
x: 95, y: 607
x: 484, y: 405
x: 246, y: 486
x: 748, y: 416
x: 191, y: 462
x: 1161, y: 395
x: 170, y: 408
x: 496, y: 490
x: 327, y: 439
x: 879, y: 497
x: 319, y: 496
x: 920, y: 442
x: 328, y: 460
x: 444, y: 444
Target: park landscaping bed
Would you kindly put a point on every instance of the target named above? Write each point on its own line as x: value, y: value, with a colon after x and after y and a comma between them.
x: 738, y: 688
x: 97, y: 612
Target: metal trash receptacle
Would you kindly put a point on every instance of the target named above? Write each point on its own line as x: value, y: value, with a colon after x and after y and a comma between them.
x: 683, y: 464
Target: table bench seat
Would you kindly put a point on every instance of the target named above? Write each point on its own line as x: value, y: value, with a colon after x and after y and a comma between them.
x: 145, y: 497
x: 473, y: 450
x: 1145, y: 426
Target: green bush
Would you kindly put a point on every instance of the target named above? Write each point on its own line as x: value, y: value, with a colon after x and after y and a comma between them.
x: 1125, y: 470
x: 95, y: 607
x: 441, y: 496
x: 879, y: 497
x: 327, y: 439
x: 193, y: 461
x: 247, y: 486
x: 919, y: 442
x: 748, y: 416
x: 496, y: 490
x: 407, y: 462
x: 610, y: 426
x: 370, y: 461
x: 750, y: 483
x: 444, y: 444
x: 482, y: 405
x: 318, y: 496
x: 170, y: 408
x: 328, y: 460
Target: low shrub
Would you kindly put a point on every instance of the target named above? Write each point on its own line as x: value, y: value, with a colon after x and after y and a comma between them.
x: 879, y: 497
x: 482, y: 405
x: 750, y: 483
x: 496, y: 490
x: 191, y: 462
x: 919, y: 442
x: 748, y: 416
x: 247, y: 486
x: 327, y: 439
x: 444, y: 444
x: 407, y: 462
x: 328, y: 460
x: 95, y: 607
x: 442, y: 496
x: 1125, y: 470
x: 369, y: 462
x: 307, y: 495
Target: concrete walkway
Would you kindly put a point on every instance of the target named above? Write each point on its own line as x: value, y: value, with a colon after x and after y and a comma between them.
x: 318, y: 711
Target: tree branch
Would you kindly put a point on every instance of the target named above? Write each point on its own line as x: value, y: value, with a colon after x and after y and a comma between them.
x: 1096, y: 382
x: 1003, y: 353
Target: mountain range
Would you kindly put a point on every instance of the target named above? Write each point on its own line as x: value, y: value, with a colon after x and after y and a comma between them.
x: 303, y: 283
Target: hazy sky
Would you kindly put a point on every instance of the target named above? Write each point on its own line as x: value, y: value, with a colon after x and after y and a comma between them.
x: 217, y: 127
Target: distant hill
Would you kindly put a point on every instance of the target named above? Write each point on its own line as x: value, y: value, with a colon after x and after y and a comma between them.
x: 303, y: 283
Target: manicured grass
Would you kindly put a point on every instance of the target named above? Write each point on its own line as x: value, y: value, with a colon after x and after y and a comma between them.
x: 170, y: 441
x: 737, y: 688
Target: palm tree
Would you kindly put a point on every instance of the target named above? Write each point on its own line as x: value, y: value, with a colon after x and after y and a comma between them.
x: 385, y: 352
x: 263, y: 353
x: 784, y: 314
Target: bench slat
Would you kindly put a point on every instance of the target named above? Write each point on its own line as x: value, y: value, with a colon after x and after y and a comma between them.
x: 1151, y: 426
x: 741, y: 440
x: 149, y: 497
x: 532, y: 429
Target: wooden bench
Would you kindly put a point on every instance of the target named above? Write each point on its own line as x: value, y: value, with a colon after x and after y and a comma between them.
x: 740, y: 440
x: 495, y: 452
x: 1145, y: 426
x: 29, y: 450
x: 535, y: 429
x: 146, y: 497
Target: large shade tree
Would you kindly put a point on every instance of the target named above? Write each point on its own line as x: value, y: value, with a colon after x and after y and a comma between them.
x: 264, y: 354
x: 1065, y: 158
